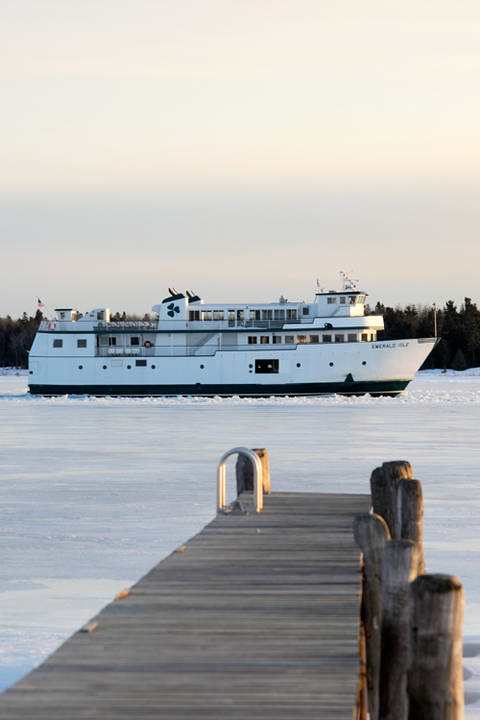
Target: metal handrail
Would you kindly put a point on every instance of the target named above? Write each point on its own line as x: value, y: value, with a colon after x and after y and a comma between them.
x: 257, y: 478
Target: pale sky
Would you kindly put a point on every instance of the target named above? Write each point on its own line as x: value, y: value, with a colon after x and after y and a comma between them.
x: 239, y: 148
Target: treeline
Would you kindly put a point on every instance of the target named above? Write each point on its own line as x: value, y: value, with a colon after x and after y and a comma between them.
x: 459, y: 329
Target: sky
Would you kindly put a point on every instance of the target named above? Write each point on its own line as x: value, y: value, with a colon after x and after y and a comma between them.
x: 239, y: 148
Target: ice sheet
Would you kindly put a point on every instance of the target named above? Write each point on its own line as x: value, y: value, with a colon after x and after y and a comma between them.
x: 94, y: 491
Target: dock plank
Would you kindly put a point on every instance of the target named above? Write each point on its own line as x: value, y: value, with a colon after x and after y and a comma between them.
x: 256, y: 617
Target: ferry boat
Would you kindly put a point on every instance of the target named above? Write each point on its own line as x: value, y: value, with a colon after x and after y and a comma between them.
x: 198, y: 348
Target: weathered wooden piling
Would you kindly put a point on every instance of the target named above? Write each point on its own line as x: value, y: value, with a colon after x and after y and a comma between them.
x: 244, y: 472
x: 400, y: 567
x: 371, y: 533
x: 383, y: 485
x: 410, y: 509
x: 435, y: 680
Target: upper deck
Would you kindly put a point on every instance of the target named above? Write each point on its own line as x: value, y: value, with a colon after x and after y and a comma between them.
x: 189, y: 312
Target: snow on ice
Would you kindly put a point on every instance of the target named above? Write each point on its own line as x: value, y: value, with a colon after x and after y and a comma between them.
x: 95, y: 491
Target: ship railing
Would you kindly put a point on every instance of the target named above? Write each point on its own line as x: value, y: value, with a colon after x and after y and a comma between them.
x: 155, y: 351
x: 104, y: 327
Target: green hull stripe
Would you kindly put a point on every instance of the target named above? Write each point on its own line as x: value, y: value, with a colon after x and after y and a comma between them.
x: 380, y: 387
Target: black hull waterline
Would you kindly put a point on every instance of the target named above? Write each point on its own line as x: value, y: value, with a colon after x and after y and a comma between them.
x: 374, y: 387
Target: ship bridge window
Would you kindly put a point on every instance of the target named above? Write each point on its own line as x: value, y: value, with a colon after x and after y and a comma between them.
x: 57, y: 343
x: 135, y: 341
x: 352, y: 299
x: 291, y: 314
x: 252, y: 339
x: 331, y: 300
x: 306, y: 310
x: 267, y: 314
x: 100, y: 315
x: 112, y: 341
x: 81, y: 343
x: 279, y: 314
x: 342, y: 300
x: 266, y: 366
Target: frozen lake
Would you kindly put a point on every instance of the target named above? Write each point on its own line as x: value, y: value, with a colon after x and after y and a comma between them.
x: 94, y: 492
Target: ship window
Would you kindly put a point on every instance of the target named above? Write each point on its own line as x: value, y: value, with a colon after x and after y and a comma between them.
x: 279, y: 314
x: 252, y: 339
x: 134, y: 341
x: 81, y: 343
x: 352, y: 337
x: 141, y: 363
x: 100, y: 315
x: 266, y: 366
x: 207, y: 315
x: 339, y: 338
x: 301, y: 339
x: 267, y: 314
x: 264, y: 340
x: 342, y: 300
x: 277, y: 339
x: 57, y: 343
x: 352, y: 299
x: 306, y: 310
x: 372, y: 336
x: 327, y: 338
x: 331, y: 300
x: 291, y: 314
x: 313, y: 338
x: 112, y: 340
x: 218, y: 315
x: 194, y: 315
x: 289, y: 339
x: 364, y: 337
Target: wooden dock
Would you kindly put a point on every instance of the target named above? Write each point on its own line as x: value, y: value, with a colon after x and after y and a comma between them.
x: 256, y: 617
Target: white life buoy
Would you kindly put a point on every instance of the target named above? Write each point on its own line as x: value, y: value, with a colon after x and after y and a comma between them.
x: 147, y: 344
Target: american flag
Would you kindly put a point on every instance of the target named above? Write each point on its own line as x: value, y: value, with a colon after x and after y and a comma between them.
x: 39, y: 303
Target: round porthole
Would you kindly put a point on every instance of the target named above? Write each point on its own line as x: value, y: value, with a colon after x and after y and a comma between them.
x: 80, y: 367
x: 129, y: 367
x: 331, y: 364
x: 299, y: 364
x: 104, y: 367
x: 201, y: 367
x: 250, y: 366
x: 30, y: 372
x: 153, y: 367
x: 364, y: 362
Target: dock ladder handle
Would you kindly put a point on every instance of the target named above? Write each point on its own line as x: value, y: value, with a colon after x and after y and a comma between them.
x: 257, y: 478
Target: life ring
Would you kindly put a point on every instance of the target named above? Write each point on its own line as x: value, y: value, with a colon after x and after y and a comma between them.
x: 147, y: 344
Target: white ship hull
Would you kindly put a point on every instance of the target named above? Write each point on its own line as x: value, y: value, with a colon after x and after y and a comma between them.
x: 380, y: 367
